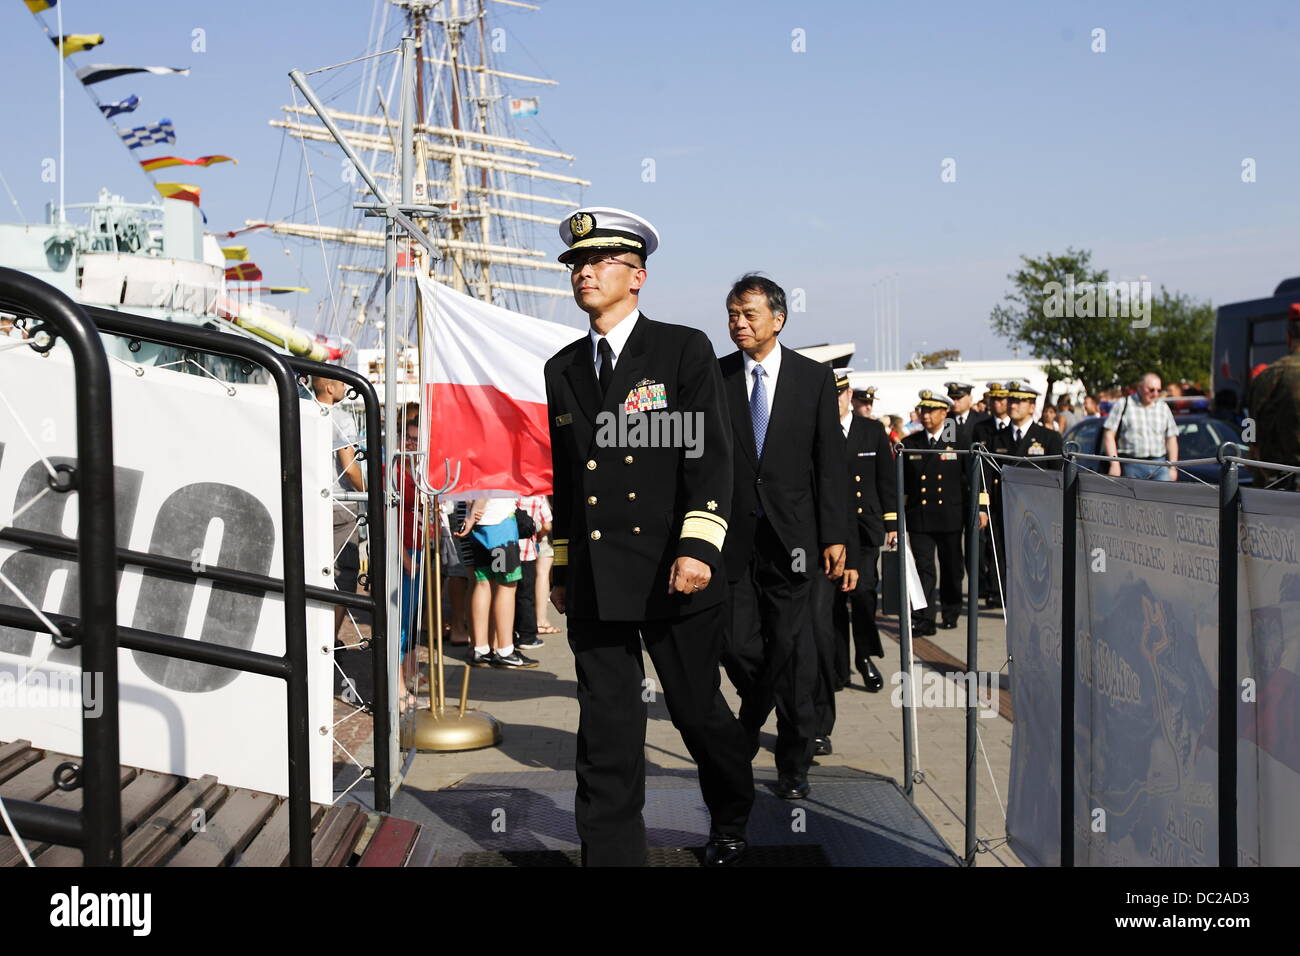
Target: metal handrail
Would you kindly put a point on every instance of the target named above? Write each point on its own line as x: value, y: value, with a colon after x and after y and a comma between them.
x: 97, y: 827
x: 295, y: 583
x: 377, y: 603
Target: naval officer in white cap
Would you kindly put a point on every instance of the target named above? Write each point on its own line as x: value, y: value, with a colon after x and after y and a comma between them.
x: 638, y: 535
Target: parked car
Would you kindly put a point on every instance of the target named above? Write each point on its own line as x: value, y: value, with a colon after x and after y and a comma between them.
x: 1199, y: 436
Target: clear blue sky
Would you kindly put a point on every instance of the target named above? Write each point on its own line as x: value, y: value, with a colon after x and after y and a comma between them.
x: 821, y: 168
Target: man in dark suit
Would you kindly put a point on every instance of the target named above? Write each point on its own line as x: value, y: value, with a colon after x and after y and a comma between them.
x: 642, y: 457
x: 1020, y: 436
x: 789, y: 522
x: 937, y: 503
x: 872, y: 522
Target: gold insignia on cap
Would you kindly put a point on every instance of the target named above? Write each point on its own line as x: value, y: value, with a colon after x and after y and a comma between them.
x: 711, y: 505
x: 581, y: 223
x: 927, y: 394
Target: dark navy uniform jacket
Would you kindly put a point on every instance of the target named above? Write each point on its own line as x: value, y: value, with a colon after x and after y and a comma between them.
x: 642, y: 477
x: 936, y: 486
x: 873, y: 496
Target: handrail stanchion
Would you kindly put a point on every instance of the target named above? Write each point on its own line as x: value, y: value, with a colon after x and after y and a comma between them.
x: 377, y: 530
x: 904, y: 627
x: 1069, y: 539
x: 972, y: 646
x: 1229, y: 533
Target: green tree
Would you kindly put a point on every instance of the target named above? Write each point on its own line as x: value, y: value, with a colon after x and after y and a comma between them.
x: 1086, y: 339
x: 1177, y: 345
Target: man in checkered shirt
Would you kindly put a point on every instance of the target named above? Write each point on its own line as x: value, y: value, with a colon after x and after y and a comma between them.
x: 1145, y: 429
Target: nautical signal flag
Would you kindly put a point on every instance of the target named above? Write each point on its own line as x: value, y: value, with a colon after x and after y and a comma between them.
x: 525, y: 106
x: 99, y: 72
x: 77, y: 42
x: 162, y: 162
x: 36, y: 6
x: 160, y: 132
x: 179, y: 191
x: 244, y: 272
x: 238, y: 253
x: 127, y: 105
x: 282, y: 289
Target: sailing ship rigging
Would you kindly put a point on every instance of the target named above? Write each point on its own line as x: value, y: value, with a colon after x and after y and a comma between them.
x: 499, y: 195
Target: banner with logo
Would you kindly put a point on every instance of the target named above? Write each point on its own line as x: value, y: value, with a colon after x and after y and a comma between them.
x: 1145, y: 734
x: 197, y: 477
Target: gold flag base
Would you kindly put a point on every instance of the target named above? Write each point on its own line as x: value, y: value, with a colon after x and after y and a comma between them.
x: 451, y: 731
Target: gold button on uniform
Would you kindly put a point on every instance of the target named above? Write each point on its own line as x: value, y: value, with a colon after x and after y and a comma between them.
x: 857, y: 477
x: 859, y: 511
x: 591, y: 499
x: 627, y: 460
x: 631, y: 496
x: 591, y: 465
x: 858, y: 493
x: 922, y: 501
x: 595, y: 536
x: 636, y: 530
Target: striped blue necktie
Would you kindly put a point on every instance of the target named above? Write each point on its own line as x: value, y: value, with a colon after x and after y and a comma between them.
x: 758, y: 409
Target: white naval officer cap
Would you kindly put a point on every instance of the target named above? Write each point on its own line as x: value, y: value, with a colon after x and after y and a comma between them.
x: 603, y: 228
x: 932, y: 399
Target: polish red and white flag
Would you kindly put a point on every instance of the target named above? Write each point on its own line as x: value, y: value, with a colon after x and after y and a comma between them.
x: 485, y: 395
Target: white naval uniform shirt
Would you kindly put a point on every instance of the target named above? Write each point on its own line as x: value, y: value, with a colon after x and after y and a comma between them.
x: 771, y: 369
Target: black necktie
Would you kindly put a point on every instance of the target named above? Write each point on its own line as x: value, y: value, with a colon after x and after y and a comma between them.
x: 606, y: 365
x: 934, y: 442
x: 1016, y: 432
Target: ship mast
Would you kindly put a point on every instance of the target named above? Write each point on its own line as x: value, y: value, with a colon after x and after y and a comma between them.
x: 498, y: 192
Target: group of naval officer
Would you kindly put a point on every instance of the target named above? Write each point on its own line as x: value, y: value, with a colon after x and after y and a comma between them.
x: 749, y: 552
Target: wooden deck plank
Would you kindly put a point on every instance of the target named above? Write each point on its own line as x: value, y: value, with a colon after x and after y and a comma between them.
x: 228, y: 831
x: 15, y: 758
x: 271, y: 846
x: 34, y: 781
x: 337, y: 835
x: 161, y: 833
x: 391, y: 844
x: 142, y: 793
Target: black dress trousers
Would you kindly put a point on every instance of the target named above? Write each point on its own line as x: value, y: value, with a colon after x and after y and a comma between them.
x: 944, y: 546
x: 771, y: 653
x: 862, y: 599
x: 828, y: 607
x: 611, y: 728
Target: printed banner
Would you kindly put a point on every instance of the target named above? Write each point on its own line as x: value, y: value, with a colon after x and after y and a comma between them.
x: 197, y: 477
x: 1147, y: 639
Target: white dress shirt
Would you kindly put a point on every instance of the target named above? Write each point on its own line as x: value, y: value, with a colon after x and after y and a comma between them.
x: 771, y: 369
x: 616, y: 337
x: 845, y: 422
x: 937, y: 434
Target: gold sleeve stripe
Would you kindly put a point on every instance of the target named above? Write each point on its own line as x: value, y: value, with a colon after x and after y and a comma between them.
x: 891, y: 515
x: 984, y: 497
x: 706, y: 527
x: 561, y: 557
x: 718, y: 519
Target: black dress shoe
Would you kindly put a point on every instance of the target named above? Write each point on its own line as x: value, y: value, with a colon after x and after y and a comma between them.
x: 821, y: 746
x: 792, y: 788
x: 923, y: 628
x: 870, y: 676
x: 948, y: 623
x: 725, y: 851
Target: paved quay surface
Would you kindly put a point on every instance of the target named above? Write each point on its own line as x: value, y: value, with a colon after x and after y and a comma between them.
x: 539, y: 714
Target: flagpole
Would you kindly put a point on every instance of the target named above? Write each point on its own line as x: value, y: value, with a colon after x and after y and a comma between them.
x: 58, y: 56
